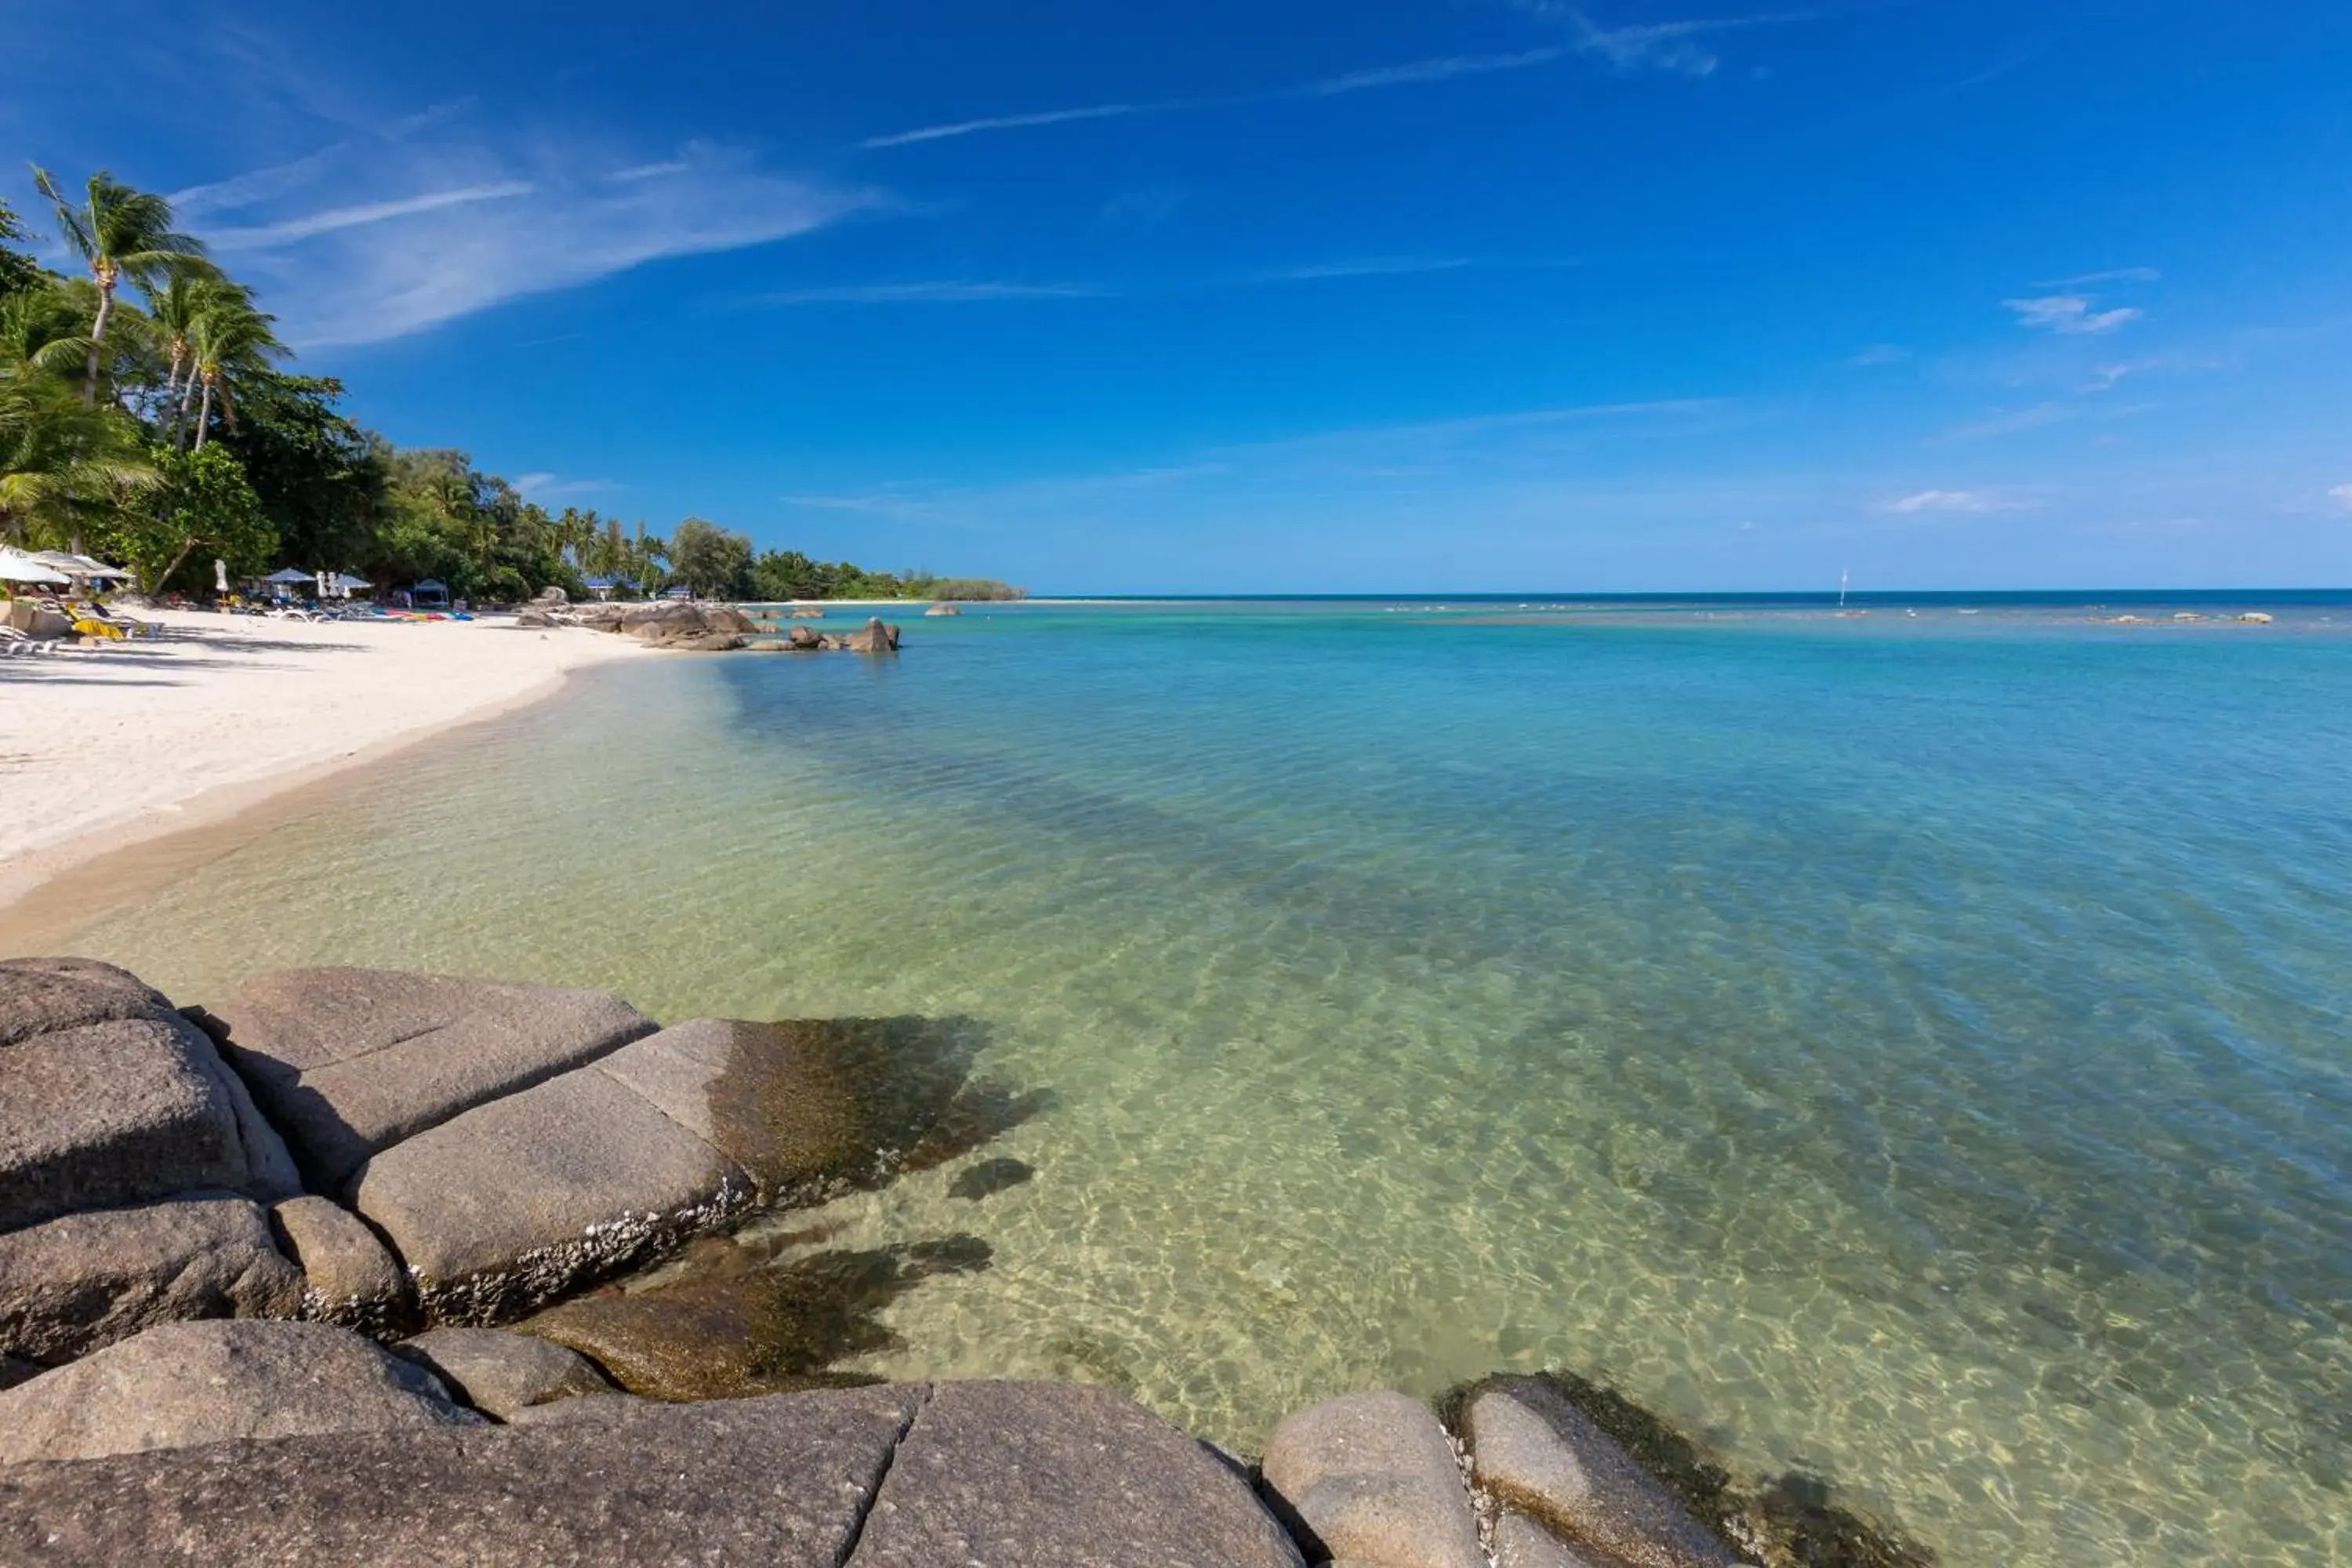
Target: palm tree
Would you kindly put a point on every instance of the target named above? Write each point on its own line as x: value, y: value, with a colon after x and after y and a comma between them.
x: 175, y: 308
x: 227, y: 340
x: 119, y: 233
x: 62, y: 463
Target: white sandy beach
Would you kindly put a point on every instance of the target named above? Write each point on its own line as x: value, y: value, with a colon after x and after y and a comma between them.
x: 108, y: 746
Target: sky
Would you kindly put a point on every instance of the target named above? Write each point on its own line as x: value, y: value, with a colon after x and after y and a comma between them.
x: 1380, y: 295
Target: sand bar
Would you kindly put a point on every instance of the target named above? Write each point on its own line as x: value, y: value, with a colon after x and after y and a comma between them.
x: 104, y: 747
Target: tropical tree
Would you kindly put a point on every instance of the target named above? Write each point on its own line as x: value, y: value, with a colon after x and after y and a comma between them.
x: 715, y: 563
x: 228, y: 341
x: 206, y: 503
x: 119, y: 233
x: 174, y: 311
x: 18, y: 271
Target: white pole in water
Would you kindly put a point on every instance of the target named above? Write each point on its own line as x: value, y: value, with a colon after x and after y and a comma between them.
x: 1841, y: 576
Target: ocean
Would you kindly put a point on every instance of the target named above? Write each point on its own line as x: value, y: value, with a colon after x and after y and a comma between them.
x: 1909, y: 1047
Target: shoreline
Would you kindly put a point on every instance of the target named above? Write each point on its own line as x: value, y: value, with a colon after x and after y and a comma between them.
x: 355, y: 713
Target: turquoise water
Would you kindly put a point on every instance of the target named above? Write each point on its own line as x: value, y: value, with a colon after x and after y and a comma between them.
x: 1910, y: 1049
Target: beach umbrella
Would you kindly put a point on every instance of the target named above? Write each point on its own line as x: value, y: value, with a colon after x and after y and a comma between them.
x: 18, y: 567
x: 346, y: 582
x: 287, y: 575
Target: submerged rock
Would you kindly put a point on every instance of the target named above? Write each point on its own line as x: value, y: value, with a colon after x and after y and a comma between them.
x: 989, y: 1177
x: 183, y: 1383
x: 757, y: 1327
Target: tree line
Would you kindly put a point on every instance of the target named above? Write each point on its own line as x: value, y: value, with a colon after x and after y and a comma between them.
x: 148, y: 416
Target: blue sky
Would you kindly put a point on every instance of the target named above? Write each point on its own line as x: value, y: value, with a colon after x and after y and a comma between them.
x: 1388, y: 294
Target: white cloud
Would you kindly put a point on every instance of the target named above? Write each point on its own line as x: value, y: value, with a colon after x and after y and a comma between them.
x: 291, y: 229
x: 492, y: 224
x: 549, y: 488
x: 1972, y: 502
x: 1017, y: 121
x: 1880, y: 354
x: 649, y: 171
x: 1370, y: 267
x: 2069, y: 315
x: 2119, y: 275
x: 1441, y: 70
x: 1412, y: 73
x: 934, y: 292
x: 1658, y: 45
x: 2343, y: 496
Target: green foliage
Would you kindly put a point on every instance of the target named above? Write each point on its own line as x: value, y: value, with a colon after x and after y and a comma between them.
x: 319, y: 477
x: 203, y: 510
x: 19, y: 271
x: 713, y: 562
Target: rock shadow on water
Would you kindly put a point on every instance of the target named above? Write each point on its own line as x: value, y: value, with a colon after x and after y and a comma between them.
x: 1789, y: 1521
x: 813, y: 1109
x: 744, y: 1325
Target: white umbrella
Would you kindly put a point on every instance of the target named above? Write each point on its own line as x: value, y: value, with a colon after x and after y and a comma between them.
x: 15, y: 567
x: 220, y: 575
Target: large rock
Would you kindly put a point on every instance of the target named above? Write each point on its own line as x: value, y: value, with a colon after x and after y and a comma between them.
x: 108, y: 1096
x: 347, y: 1062
x: 111, y: 1113
x: 500, y: 1372
x: 803, y: 639
x: 1055, y: 1474
x: 1521, y: 1543
x: 348, y: 1276
x: 517, y: 1201
x: 73, y: 1284
x: 42, y: 995
x: 183, y: 1383
x: 1374, y: 1478
x: 1534, y: 1450
x: 874, y: 636
x: 783, y: 1483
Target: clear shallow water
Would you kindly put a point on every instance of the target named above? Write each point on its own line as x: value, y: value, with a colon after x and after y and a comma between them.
x: 1912, y: 1050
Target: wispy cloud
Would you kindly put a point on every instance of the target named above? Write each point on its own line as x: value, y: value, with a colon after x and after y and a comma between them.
x: 1878, y: 354
x: 649, y: 171
x: 1444, y: 68
x: 2069, y: 315
x: 1970, y: 502
x: 1412, y: 73
x: 546, y: 488
x: 929, y: 292
x: 489, y: 223
x: 1021, y: 121
x: 1368, y: 267
x: 289, y: 229
x: 2092, y: 279
x: 257, y: 185
x: 2342, y: 496
x: 1671, y: 46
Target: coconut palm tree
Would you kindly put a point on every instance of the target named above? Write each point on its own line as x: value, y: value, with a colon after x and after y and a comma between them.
x: 227, y: 340
x: 119, y: 233
x: 63, y: 464
x: 174, y: 310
